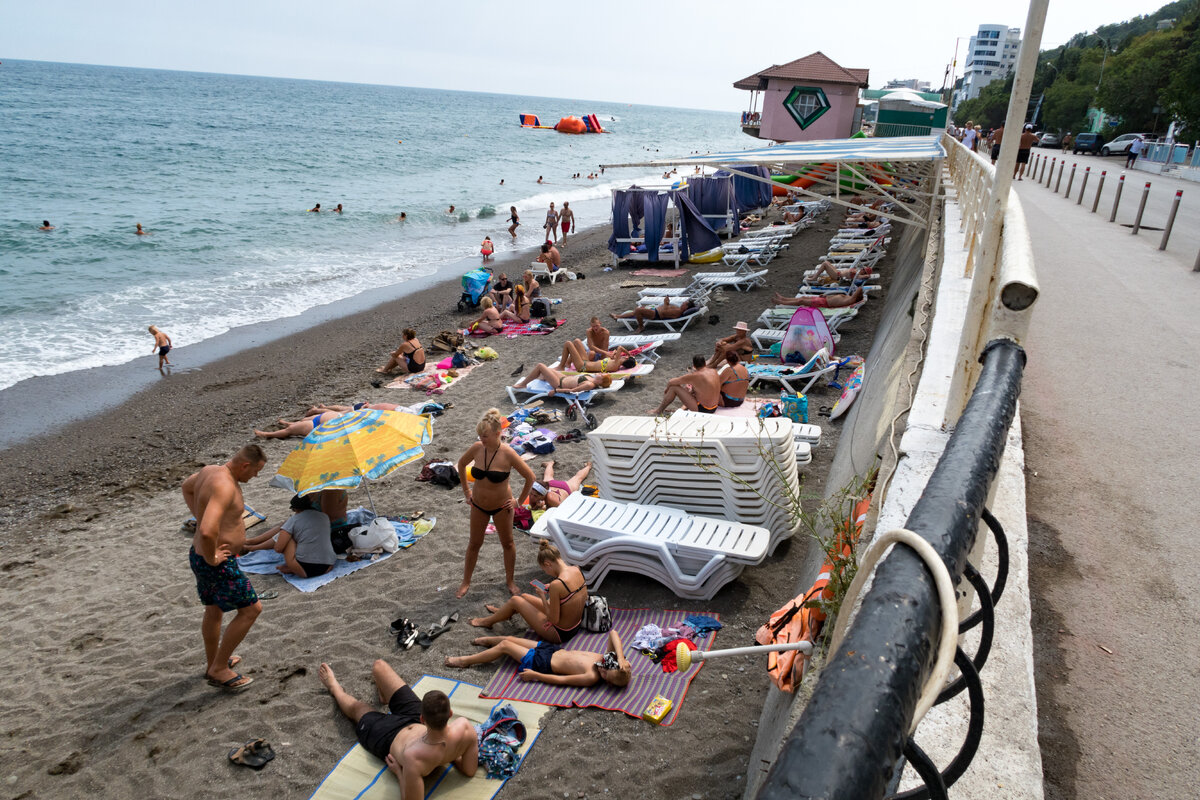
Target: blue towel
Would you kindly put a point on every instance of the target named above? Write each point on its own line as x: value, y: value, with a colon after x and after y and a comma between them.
x: 702, y: 624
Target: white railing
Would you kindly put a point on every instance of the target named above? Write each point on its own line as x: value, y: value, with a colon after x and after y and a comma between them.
x: 1004, y: 281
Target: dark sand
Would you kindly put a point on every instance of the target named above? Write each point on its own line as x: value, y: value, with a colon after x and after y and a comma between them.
x: 99, y: 616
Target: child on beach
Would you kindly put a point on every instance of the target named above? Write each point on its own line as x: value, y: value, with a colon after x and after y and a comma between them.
x: 515, y: 220
x: 487, y: 248
x: 549, y: 663
x: 162, y: 343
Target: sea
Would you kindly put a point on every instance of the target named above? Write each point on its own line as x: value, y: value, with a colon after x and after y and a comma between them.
x: 221, y: 170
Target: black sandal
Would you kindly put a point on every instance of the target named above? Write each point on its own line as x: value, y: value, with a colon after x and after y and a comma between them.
x: 254, y: 754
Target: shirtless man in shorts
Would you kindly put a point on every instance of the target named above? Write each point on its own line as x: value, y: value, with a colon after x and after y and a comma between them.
x: 698, y: 390
x: 549, y: 663
x: 738, y: 342
x: 597, y: 340
x: 823, y: 300
x: 416, y: 737
x: 567, y: 220
x: 574, y: 358
x: 214, y: 496
x: 663, y: 311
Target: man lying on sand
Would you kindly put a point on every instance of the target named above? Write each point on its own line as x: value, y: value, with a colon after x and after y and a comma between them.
x: 300, y: 427
x: 416, y: 737
x: 214, y: 496
x: 549, y: 663
x: 664, y: 311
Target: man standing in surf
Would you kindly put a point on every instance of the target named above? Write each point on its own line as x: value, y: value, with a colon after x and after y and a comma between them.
x: 214, y: 496
x: 567, y: 220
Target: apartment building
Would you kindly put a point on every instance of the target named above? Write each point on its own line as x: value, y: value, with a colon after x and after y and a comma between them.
x: 991, y: 55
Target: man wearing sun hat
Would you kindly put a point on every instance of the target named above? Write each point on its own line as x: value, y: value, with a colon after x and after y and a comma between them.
x: 738, y: 343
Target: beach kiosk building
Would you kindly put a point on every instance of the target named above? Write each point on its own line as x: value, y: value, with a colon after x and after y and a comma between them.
x: 806, y: 99
x: 906, y: 113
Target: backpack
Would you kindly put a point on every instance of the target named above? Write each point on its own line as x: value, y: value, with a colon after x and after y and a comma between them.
x: 444, y: 474
x: 448, y: 341
x: 540, y: 307
x: 596, y: 616
x: 460, y: 360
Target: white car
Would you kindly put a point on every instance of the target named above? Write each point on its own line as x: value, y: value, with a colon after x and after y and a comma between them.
x: 1120, y: 145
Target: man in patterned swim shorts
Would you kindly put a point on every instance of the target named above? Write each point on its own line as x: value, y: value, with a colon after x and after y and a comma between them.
x: 214, y: 496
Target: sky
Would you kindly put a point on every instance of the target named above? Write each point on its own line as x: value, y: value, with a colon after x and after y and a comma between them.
x: 655, y: 52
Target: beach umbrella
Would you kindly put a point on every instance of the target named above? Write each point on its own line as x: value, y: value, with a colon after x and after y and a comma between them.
x: 340, y: 453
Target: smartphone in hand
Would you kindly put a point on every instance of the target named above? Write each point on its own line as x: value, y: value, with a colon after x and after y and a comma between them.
x: 538, y: 585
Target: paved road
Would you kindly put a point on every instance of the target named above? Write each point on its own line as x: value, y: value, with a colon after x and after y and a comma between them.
x: 1112, y: 454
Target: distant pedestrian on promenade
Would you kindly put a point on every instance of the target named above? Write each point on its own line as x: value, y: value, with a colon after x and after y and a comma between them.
x: 1135, y: 149
x: 1028, y: 140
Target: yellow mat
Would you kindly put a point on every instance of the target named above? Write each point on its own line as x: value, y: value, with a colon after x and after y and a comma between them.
x: 362, y: 776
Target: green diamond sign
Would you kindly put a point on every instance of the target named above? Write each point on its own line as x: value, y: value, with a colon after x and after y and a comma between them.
x: 806, y: 104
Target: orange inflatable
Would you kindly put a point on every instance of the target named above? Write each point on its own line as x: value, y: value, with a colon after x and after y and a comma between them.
x: 571, y: 125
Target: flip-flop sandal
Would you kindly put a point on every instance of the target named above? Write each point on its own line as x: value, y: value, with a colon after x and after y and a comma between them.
x: 407, y: 635
x: 254, y: 754
x: 398, y: 624
x: 233, y: 662
x: 237, y: 683
x: 269, y: 594
x: 426, y: 639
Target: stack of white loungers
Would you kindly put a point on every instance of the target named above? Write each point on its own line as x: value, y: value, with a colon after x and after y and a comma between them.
x: 681, y: 500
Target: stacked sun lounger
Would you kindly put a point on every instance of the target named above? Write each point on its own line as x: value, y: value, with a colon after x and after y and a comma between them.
x: 693, y: 555
x: 736, y: 468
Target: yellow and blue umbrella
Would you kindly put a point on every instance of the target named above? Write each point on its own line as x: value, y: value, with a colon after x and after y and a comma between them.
x: 361, y: 444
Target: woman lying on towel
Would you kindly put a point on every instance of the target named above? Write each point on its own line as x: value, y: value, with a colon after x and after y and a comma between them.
x: 489, y: 321
x: 550, y: 493
x: 492, y: 498
x: 575, y: 358
x: 556, y: 611
x: 549, y: 663
x: 300, y: 428
x: 571, y: 384
x: 822, y: 300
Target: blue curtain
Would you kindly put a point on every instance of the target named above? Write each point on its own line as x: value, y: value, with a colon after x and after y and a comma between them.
x: 748, y: 193
x: 636, y: 212
x: 620, y: 224
x: 654, y: 204
x: 697, y: 235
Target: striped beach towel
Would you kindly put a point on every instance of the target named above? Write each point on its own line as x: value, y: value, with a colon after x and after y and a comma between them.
x: 648, y: 678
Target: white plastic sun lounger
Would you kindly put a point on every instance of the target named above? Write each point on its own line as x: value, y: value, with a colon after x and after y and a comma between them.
x: 763, y: 338
x: 618, y: 375
x: 778, y: 317
x: 576, y: 401
x: 694, y: 556
x: 792, y: 376
x: 740, y: 280
x: 677, y: 325
x: 542, y: 271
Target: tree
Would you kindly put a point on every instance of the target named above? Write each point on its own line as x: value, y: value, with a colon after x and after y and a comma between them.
x: 1135, y: 78
x: 1180, y: 97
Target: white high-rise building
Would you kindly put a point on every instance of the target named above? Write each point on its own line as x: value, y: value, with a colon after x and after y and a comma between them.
x: 991, y: 55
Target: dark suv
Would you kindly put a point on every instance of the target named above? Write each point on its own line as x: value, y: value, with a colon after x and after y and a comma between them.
x: 1087, y: 143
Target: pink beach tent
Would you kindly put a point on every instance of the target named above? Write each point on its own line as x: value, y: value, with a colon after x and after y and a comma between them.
x: 806, y: 334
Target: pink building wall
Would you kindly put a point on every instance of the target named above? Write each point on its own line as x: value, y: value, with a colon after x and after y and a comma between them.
x: 835, y: 123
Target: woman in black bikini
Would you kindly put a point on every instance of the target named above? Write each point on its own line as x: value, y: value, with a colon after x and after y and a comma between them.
x: 556, y: 612
x: 565, y: 383
x: 410, y: 355
x: 492, y: 497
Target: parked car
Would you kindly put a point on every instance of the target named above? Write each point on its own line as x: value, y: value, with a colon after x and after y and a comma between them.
x: 1120, y: 145
x: 1087, y: 143
x: 1050, y: 140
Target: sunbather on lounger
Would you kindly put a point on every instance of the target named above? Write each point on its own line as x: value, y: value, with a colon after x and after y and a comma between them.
x: 738, y: 342
x: 823, y: 300
x: 828, y: 275
x: 491, y: 498
x: 489, y: 321
x: 549, y: 663
x: 571, y: 384
x: 550, y: 493
x: 300, y: 427
x: 556, y: 611
x: 419, y: 736
x: 698, y: 390
x: 664, y: 311
x: 575, y: 357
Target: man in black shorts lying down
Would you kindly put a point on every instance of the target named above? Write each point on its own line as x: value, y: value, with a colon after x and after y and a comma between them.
x: 417, y: 737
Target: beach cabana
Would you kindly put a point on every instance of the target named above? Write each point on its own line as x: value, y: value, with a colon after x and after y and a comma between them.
x: 640, y: 216
x: 715, y: 198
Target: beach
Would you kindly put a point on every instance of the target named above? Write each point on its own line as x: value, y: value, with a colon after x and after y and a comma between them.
x: 102, y: 671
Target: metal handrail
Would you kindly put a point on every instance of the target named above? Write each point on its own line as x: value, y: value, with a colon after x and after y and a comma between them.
x: 853, y: 730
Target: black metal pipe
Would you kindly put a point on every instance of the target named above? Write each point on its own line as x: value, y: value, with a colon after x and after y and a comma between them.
x: 853, y: 730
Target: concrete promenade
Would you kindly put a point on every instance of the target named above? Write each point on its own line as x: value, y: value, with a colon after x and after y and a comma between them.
x: 1112, y: 450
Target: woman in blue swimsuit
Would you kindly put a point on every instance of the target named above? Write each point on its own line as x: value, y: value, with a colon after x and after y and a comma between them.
x: 491, y: 499
x: 556, y: 611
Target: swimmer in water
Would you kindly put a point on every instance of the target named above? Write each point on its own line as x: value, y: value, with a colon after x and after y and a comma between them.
x: 502, y: 181
x: 338, y: 210
x: 141, y: 232
x: 539, y: 178
x: 46, y: 226
x: 403, y: 217
x: 315, y: 209
x: 451, y: 211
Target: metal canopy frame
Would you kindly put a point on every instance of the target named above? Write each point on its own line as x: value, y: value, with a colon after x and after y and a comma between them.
x: 916, y: 163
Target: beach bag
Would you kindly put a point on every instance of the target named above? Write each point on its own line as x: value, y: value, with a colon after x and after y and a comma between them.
x: 448, y: 341
x: 460, y: 360
x: 523, y: 517
x: 540, y: 307
x: 486, y: 353
x: 444, y: 474
x: 596, y: 616
x: 379, y: 534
